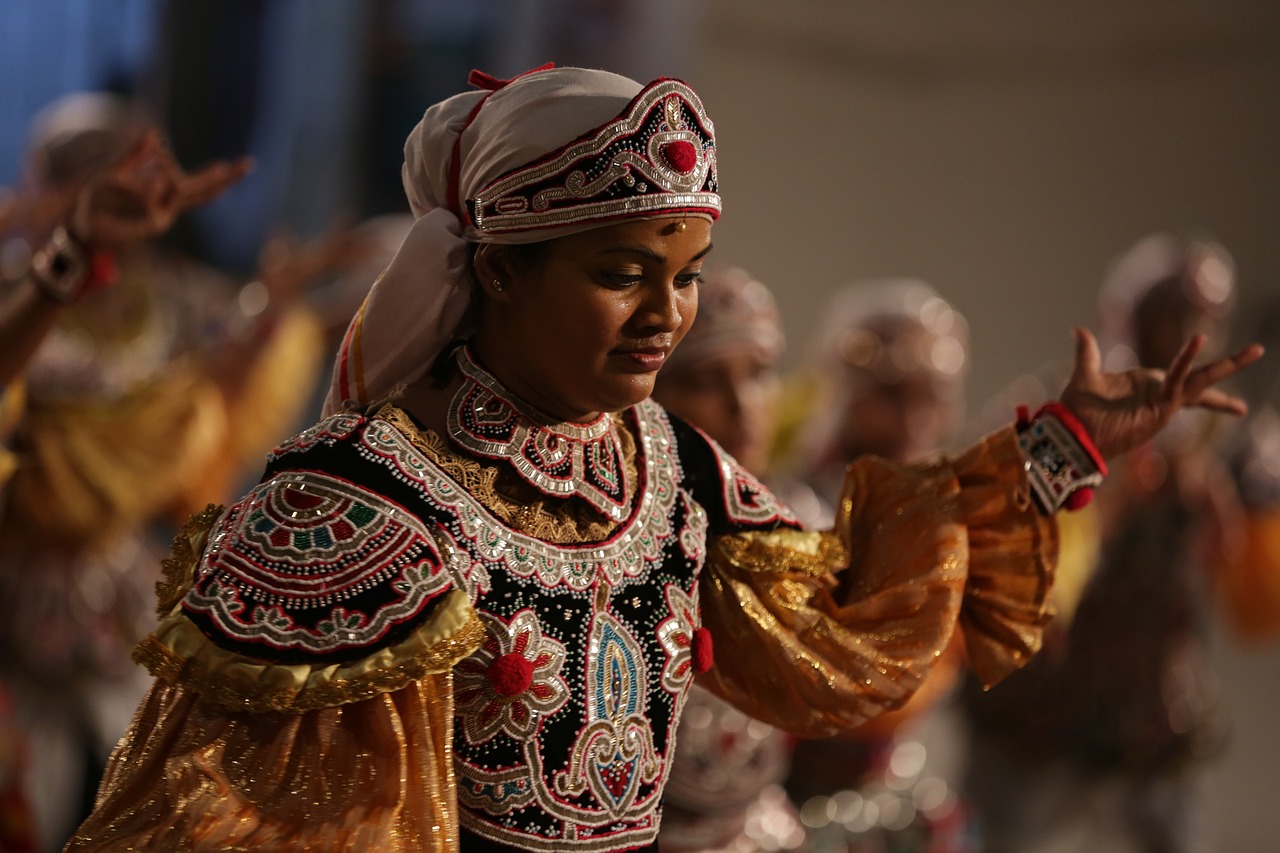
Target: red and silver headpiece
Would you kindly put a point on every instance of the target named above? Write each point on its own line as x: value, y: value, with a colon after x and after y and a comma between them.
x: 658, y: 156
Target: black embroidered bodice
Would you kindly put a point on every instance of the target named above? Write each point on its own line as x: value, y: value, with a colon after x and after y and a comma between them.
x: 564, y: 717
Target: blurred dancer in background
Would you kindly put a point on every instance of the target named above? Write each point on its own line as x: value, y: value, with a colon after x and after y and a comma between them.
x: 1101, y: 742
x: 125, y: 193
x: 724, y: 792
x: 146, y: 387
x: 888, y: 380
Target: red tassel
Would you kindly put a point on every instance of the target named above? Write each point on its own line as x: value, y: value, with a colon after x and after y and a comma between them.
x: 704, y: 654
x: 491, y: 84
x: 1079, y: 499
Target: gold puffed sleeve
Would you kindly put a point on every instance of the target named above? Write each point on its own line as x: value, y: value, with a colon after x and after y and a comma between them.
x: 228, y: 753
x: 371, y: 775
x: 820, y: 631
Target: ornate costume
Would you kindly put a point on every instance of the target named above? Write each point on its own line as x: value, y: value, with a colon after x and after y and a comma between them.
x: 482, y: 640
x: 388, y: 605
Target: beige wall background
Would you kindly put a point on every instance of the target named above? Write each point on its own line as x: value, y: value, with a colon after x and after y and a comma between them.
x: 1002, y: 151
x: 1005, y: 152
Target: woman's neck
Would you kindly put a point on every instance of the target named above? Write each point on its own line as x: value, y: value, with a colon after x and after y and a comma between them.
x: 505, y: 368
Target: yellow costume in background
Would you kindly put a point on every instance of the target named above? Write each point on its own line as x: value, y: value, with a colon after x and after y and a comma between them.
x: 127, y: 427
x: 11, y: 399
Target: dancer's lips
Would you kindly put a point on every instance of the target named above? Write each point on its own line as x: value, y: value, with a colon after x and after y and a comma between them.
x: 645, y: 358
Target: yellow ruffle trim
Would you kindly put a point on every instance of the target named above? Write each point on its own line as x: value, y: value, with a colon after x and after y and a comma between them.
x: 178, y: 652
x: 179, y: 567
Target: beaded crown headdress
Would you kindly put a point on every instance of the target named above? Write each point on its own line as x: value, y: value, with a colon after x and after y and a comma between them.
x: 659, y: 155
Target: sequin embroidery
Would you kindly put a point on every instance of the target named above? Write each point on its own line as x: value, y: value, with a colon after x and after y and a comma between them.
x: 313, y: 564
x: 558, y: 459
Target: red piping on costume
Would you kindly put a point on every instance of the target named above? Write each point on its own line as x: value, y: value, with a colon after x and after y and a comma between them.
x: 350, y: 342
x: 480, y: 80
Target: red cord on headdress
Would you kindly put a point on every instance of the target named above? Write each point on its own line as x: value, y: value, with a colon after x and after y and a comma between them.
x: 491, y: 84
x: 481, y: 80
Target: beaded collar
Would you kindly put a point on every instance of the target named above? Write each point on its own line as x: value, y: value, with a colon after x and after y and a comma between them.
x: 558, y: 459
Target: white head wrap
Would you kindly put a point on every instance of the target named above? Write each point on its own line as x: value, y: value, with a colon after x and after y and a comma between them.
x: 416, y: 307
x: 81, y: 133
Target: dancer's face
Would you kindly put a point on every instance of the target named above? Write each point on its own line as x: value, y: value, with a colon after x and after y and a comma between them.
x: 583, y: 324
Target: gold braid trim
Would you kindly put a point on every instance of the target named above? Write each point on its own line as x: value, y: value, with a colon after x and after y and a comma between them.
x: 178, y: 652
x: 512, y: 500
x: 810, y: 553
x: 179, y: 566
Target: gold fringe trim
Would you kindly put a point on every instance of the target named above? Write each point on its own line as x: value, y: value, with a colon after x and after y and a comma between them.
x: 179, y: 653
x: 806, y: 552
x: 179, y: 566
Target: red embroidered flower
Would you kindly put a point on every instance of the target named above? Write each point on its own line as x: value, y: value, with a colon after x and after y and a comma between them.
x: 688, y: 647
x: 512, y: 681
x: 511, y: 674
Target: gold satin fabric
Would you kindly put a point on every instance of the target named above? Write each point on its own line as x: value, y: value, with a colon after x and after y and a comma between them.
x: 228, y: 753
x: 819, y: 632
x: 372, y: 775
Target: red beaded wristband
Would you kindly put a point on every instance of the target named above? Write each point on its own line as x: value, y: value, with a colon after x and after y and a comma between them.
x: 1078, y: 431
x: 1063, y: 464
